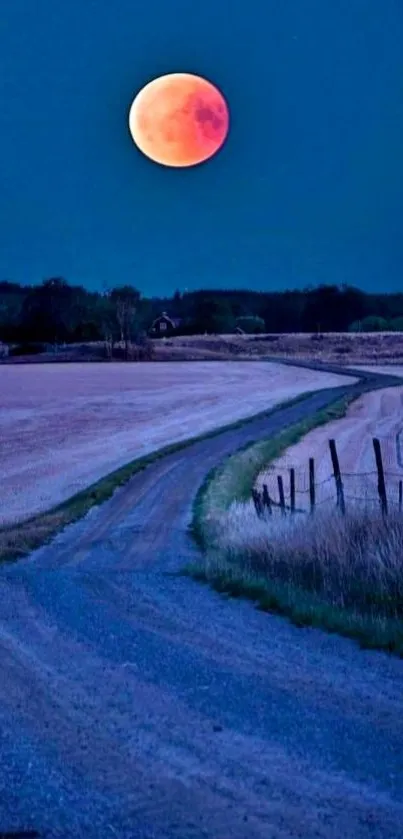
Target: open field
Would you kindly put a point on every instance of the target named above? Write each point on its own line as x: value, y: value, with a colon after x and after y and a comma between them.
x: 377, y: 414
x: 63, y: 427
x: 332, y: 347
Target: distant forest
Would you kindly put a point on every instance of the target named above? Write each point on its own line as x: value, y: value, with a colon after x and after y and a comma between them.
x: 57, y: 312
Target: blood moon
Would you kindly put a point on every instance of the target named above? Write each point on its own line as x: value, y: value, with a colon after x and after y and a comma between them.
x: 179, y: 120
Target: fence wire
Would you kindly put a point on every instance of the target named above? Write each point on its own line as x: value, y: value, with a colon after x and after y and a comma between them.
x: 358, y: 487
x: 368, y: 494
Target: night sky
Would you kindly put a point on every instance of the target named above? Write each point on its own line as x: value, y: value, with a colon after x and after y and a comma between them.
x: 308, y: 188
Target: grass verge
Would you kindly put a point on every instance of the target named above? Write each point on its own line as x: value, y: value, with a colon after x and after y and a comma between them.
x: 20, y: 539
x: 303, y: 608
x: 280, y: 573
x: 233, y: 480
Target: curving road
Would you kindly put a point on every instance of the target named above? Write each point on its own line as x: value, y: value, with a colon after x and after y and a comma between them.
x: 137, y: 703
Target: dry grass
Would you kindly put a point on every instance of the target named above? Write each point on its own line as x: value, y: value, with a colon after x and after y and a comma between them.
x: 90, y: 351
x: 334, y: 348
x: 352, y: 561
x: 18, y: 541
x: 344, y: 574
x: 233, y: 481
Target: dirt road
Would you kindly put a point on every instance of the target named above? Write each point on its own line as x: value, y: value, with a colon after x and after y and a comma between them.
x: 65, y: 426
x: 137, y: 703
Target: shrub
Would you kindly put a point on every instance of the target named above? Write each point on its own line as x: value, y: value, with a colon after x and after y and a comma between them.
x: 372, y: 323
x: 146, y: 350
x: 142, y: 351
x: 251, y: 324
x: 396, y: 324
x: 28, y: 349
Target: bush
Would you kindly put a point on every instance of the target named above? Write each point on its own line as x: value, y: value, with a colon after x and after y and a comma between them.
x: 28, y: 349
x: 372, y: 323
x: 251, y: 324
x: 142, y: 351
x: 146, y: 351
x: 396, y: 324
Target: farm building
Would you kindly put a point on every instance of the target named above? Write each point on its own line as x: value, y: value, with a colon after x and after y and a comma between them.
x: 164, y: 325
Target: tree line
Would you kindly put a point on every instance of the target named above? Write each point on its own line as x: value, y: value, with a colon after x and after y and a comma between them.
x: 56, y: 312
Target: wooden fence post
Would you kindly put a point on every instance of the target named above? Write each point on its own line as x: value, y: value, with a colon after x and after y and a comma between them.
x: 381, y: 476
x: 266, y: 499
x: 281, y: 493
x: 337, y: 477
x: 257, y: 502
x: 292, y: 490
x: 400, y: 496
x: 312, y: 483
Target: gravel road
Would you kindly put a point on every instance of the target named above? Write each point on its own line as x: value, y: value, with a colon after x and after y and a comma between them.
x: 137, y: 703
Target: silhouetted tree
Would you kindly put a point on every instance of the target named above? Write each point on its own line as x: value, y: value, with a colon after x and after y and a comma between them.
x: 54, y: 311
x: 46, y: 311
x: 125, y: 300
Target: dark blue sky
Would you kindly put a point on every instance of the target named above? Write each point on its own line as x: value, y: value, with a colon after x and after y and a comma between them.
x: 307, y: 189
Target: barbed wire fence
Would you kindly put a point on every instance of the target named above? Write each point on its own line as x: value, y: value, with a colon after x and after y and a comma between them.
x: 376, y: 488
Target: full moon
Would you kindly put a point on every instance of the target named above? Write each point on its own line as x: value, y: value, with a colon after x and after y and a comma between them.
x: 179, y: 120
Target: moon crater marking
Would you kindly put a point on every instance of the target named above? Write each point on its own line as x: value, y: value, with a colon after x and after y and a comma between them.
x: 179, y: 120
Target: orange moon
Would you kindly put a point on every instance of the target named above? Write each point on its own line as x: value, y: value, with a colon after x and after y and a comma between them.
x: 179, y: 120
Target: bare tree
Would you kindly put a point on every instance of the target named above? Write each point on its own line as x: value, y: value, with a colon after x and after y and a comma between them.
x: 125, y: 301
x: 105, y: 317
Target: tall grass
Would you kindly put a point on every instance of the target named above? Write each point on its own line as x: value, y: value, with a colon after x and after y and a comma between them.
x: 341, y: 573
x: 353, y: 561
x: 233, y: 481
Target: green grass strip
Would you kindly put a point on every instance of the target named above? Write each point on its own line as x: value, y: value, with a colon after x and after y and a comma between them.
x: 303, y: 608
x: 233, y: 480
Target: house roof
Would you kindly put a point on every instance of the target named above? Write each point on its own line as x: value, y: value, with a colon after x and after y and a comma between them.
x: 165, y: 316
